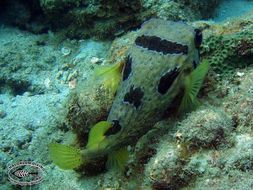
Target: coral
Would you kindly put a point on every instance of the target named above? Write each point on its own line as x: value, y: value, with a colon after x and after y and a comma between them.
x: 227, y: 47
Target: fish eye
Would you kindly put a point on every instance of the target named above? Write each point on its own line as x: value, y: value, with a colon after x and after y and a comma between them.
x: 116, y: 127
x: 198, y: 38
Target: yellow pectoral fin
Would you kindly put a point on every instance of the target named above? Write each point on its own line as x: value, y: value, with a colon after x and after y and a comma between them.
x: 192, y: 85
x: 110, y: 76
x: 64, y: 156
x: 96, y: 134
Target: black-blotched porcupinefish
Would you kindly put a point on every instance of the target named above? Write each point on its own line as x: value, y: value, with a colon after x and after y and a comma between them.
x: 162, y: 62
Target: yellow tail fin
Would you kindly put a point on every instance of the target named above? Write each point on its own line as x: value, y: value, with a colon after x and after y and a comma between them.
x: 64, y: 156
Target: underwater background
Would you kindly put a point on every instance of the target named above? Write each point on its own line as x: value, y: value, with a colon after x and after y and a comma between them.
x: 51, y: 52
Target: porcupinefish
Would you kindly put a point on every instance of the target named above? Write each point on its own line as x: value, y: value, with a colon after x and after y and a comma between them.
x: 162, y: 62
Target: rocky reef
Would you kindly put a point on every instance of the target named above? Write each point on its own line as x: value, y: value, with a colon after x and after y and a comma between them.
x: 196, y: 147
x: 99, y: 19
x: 202, y: 8
x: 228, y: 46
x: 48, y: 94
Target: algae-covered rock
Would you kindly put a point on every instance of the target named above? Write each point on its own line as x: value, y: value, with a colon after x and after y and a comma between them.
x: 99, y: 19
x: 204, y: 9
x: 88, y: 104
x: 103, y: 19
x: 206, y: 127
x: 241, y: 156
x: 90, y: 101
x: 181, y: 9
x: 239, y: 102
x: 84, y: 18
x: 179, y: 159
x: 169, y: 10
x: 165, y: 167
x: 232, y: 179
x: 223, y: 169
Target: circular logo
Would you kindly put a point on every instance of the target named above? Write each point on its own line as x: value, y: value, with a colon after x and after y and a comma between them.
x: 25, y: 173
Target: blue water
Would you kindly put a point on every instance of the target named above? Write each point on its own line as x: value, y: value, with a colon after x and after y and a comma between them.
x: 229, y: 9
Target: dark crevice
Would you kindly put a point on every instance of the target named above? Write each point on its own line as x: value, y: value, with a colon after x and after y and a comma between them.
x: 25, y: 14
x: 14, y: 87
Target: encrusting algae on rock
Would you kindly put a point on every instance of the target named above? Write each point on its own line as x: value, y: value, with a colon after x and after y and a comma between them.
x: 162, y: 64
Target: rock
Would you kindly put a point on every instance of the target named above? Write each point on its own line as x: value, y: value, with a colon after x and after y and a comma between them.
x: 239, y: 102
x: 207, y: 127
x: 65, y: 51
x: 165, y: 167
x: 240, y: 157
x: 95, y: 60
x: 2, y: 114
x: 88, y: 104
x: 100, y: 19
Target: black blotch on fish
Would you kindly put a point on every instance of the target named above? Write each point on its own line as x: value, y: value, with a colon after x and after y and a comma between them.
x: 155, y: 43
x: 127, y: 68
x: 134, y: 96
x: 167, y: 79
x: 198, y: 38
x: 116, y: 127
x: 194, y: 64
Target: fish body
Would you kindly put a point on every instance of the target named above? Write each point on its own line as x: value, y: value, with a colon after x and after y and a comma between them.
x: 162, y: 54
x: 162, y: 62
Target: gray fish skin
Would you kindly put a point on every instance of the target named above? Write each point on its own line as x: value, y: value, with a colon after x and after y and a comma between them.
x: 138, y: 104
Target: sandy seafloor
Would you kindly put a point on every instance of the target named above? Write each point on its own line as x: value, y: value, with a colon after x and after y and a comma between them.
x: 32, y: 101
x: 29, y: 120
